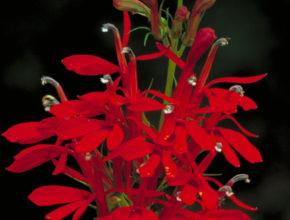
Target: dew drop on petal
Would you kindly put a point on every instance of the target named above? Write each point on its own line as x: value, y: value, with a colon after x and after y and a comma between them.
x: 88, y: 156
x: 168, y: 109
x: 218, y: 147
x: 177, y: 196
x: 106, y: 79
x: 192, y: 80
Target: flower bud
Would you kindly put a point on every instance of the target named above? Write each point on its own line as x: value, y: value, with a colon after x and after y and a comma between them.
x: 181, y: 15
x: 134, y: 6
x: 198, y: 8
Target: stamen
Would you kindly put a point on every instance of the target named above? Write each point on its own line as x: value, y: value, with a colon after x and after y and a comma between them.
x: 218, y: 147
x: 237, y: 178
x: 237, y: 89
x: 221, y: 42
x: 129, y: 51
x: 106, y: 79
x: 168, y: 109
x: 227, y: 189
x: 48, y: 101
x: 109, y: 26
x: 48, y: 80
x: 192, y: 80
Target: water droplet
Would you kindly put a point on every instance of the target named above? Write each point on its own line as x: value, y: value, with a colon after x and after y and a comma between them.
x: 88, y: 156
x: 137, y: 171
x: 168, y: 109
x: 192, y: 80
x: 237, y: 89
x: 177, y: 196
x: 106, y: 79
x: 218, y: 147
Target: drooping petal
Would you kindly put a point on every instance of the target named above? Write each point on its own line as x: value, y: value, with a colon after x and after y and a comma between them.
x: 147, y: 169
x: 247, y: 104
x: 64, y: 211
x: 25, y: 133
x: 115, y: 137
x: 241, y: 144
x: 52, y: 195
x: 170, y: 167
x: 180, y: 140
x: 34, y: 156
x: 242, y: 205
x: 127, y: 28
x: 204, y: 140
x: 229, y: 153
x: 188, y: 194
x: 231, y: 215
x: 91, y: 141
x: 66, y: 109
x: 89, y: 65
x: 77, y: 127
x: 238, y: 80
x: 136, y: 148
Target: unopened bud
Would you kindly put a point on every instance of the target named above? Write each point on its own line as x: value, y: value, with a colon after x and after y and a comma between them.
x: 181, y: 15
x: 202, y: 5
x: 133, y: 6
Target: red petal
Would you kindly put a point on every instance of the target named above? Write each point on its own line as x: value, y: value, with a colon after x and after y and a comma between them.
x: 242, y: 145
x: 34, y: 156
x: 229, y: 153
x: 115, y: 137
x: 242, y: 205
x: 52, y: 195
x: 81, y: 209
x: 89, y: 65
x: 150, y: 56
x: 25, y: 133
x: 127, y: 28
x: 91, y: 141
x: 209, y: 196
x: 61, y: 163
x: 64, y: 211
x: 65, y: 109
x: 147, y: 169
x: 49, y: 125
x: 144, y: 104
x: 77, y: 127
x: 136, y: 148
x: 160, y: 95
x: 239, y: 80
x: 204, y: 140
x: 181, y: 178
x: 180, y: 140
x: 247, y: 104
x: 148, y: 215
x: 167, y: 52
x: 232, y: 215
x: 188, y: 194
x: 169, y: 165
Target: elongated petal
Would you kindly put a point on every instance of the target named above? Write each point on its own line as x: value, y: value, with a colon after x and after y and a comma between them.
x: 89, y: 65
x: 66, y: 109
x: 180, y: 140
x: 127, y: 28
x: 77, y: 127
x: 241, y: 144
x: 160, y: 95
x: 25, y: 133
x: 242, y: 205
x: 34, y: 156
x: 144, y: 104
x: 136, y: 148
x: 115, y: 137
x: 49, y: 125
x: 52, y: 195
x: 61, y: 163
x: 247, y: 104
x: 238, y: 80
x: 79, y: 212
x: 147, y: 169
x: 229, y: 153
x: 188, y: 194
x: 204, y: 140
x: 231, y: 215
x: 167, y: 52
x: 64, y: 211
x: 91, y: 141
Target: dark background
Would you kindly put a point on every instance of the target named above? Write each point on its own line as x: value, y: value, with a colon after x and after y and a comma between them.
x: 36, y: 35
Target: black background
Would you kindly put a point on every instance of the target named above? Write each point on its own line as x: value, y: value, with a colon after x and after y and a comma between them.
x: 36, y: 35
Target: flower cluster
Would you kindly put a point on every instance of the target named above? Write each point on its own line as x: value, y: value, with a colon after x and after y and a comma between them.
x: 131, y: 169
